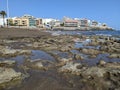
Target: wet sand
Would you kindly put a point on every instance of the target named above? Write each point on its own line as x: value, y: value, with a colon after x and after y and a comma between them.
x: 16, y: 32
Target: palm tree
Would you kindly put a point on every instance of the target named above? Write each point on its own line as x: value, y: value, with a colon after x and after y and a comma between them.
x: 3, y: 14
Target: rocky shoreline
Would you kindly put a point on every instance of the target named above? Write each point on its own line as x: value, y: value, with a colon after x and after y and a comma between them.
x: 82, y: 28
x: 80, y: 62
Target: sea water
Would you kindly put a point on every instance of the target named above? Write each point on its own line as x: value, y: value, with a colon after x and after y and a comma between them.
x: 93, y: 32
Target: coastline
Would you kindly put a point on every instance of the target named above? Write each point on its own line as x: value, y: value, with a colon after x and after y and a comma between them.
x: 61, y: 28
x: 81, y: 28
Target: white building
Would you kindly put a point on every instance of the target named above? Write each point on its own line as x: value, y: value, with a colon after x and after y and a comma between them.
x: 94, y: 23
x: 84, y: 22
x: 47, y: 20
x: 1, y: 21
x: 55, y: 23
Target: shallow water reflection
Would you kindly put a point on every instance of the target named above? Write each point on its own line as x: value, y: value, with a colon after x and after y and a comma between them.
x: 36, y: 54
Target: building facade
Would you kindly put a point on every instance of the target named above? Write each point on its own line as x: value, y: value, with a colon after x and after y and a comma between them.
x: 83, y: 23
x: 94, y: 23
x: 71, y: 23
x: 55, y: 23
x: 25, y: 20
x: 21, y: 22
x: 39, y: 22
x: 1, y: 21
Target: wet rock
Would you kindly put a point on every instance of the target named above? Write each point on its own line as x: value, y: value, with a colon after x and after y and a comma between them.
x: 90, y: 51
x: 24, y: 52
x: 107, y: 38
x: 9, y: 76
x: 7, y: 51
x: 1, y: 47
x: 117, y: 40
x: 79, y: 66
x: 114, y: 76
x: 94, y: 43
x: 110, y: 46
x: 104, y: 48
x: 78, y: 56
x: 101, y: 63
x: 7, y: 63
x: 63, y: 61
x: 92, y: 56
x: 51, y: 47
x: 35, y: 44
x: 107, y: 76
x: 39, y: 64
x: 13, y: 52
x: 99, y: 77
x: 114, y: 55
x: 70, y: 67
x: 115, y: 65
x: 66, y: 48
x: 116, y: 45
x: 94, y: 71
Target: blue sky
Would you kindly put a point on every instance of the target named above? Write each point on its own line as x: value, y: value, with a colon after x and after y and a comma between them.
x: 104, y: 11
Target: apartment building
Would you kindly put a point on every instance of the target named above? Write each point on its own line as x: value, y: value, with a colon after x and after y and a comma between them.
x: 94, y: 23
x: 83, y: 23
x: 71, y: 23
x: 21, y: 22
x: 39, y: 22
x: 55, y: 23
x: 25, y: 20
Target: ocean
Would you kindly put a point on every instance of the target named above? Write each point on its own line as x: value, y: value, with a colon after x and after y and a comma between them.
x: 115, y: 33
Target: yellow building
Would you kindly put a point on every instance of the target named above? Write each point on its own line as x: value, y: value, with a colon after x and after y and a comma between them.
x: 25, y: 20
x: 21, y: 22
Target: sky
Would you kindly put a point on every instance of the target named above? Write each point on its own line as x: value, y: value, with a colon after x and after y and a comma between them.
x: 103, y: 11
